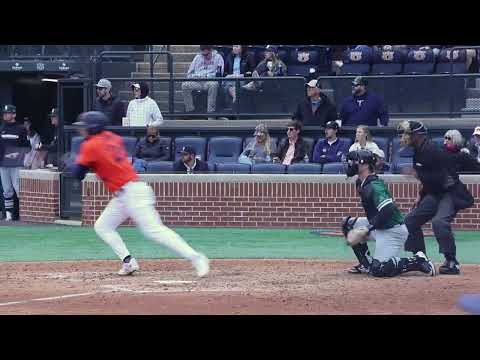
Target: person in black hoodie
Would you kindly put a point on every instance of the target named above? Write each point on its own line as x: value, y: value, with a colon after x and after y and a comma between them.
x: 238, y: 63
x: 148, y: 149
x: 316, y: 109
x: 109, y: 104
x: 13, y: 146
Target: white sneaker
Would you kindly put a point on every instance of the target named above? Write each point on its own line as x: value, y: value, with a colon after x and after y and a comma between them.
x: 8, y: 216
x: 129, y: 268
x: 200, y: 263
x: 427, y: 266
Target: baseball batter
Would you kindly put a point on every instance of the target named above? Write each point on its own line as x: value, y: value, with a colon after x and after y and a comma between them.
x: 104, y: 153
x: 383, y: 224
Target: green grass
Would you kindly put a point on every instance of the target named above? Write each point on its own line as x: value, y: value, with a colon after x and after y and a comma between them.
x: 43, y: 243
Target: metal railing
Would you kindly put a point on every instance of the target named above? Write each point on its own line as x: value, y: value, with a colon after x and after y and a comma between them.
x: 99, y: 59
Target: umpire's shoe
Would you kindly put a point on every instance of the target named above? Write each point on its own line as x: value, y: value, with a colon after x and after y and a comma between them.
x: 358, y: 269
x: 425, y: 264
x: 450, y: 267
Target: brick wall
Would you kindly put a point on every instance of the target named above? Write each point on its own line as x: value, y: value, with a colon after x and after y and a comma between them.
x: 39, y: 196
x: 253, y: 200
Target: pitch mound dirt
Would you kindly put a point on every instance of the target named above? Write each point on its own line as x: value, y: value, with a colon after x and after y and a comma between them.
x: 232, y: 287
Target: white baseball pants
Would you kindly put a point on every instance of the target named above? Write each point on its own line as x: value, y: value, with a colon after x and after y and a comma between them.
x: 136, y: 200
x: 388, y: 243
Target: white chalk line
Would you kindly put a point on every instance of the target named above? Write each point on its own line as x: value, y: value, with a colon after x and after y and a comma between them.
x: 50, y: 298
x: 172, y: 282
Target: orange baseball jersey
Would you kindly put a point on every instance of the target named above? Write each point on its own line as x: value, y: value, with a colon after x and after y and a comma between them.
x: 105, y: 154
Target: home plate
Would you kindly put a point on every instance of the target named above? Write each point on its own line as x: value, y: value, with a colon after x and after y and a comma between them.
x: 170, y: 282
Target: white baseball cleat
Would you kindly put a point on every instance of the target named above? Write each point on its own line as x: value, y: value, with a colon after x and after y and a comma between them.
x: 8, y: 216
x: 200, y: 263
x: 129, y: 268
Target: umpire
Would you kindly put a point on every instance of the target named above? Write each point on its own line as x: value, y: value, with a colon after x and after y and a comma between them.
x: 441, y: 196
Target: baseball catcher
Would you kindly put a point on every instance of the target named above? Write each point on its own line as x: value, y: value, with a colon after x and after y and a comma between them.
x: 383, y: 224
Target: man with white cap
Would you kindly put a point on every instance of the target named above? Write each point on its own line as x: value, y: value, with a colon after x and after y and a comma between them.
x: 317, y: 108
x: 108, y: 104
x: 143, y: 110
x: 474, y: 145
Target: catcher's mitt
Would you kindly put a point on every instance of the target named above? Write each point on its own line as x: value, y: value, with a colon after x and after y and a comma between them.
x: 358, y: 235
x: 347, y: 224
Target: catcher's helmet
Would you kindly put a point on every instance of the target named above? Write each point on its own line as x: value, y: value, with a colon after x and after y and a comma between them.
x: 354, y: 158
x: 93, y: 121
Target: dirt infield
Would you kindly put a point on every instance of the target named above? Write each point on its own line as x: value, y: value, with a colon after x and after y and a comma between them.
x: 232, y: 287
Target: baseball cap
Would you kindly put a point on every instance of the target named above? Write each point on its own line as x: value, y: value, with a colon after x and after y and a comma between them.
x: 188, y: 150
x: 314, y: 83
x: 9, y: 109
x: 53, y: 112
x: 476, y: 131
x: 359, y: 81
x: 135, y: 85
x: 271, y: 48
x: 332, y: 125
x: 104, y: 83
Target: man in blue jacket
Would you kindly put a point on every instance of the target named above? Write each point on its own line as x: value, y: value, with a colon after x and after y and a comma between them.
x: 330, y: 149
x: 363, y: 107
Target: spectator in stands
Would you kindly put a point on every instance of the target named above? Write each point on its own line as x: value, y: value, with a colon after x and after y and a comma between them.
x: 189, y: 163
x: 293, y: 149
x: 110, y: 105
x: 317, y: 108
x: 474, y: 144
x: 149, y: 149
x: 363, y: 107
x: 260, y: 149
x: 50, y: 145
x: 239, y: 63
x: 35, y: 159
x: 208, y: 64
x: 270, y: 66
x: 143, y: 110
x: 464, y: 161
x: 13, y: 141
x: 363, y: 141
x: 330, y: 149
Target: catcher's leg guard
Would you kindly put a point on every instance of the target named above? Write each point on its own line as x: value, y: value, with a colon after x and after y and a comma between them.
x: 363, y: 254
x: 385, y: 269
x: 396, y: 266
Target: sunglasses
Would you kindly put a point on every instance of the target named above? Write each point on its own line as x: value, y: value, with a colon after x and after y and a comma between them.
x: 290, y: 129
x: 448, y: 138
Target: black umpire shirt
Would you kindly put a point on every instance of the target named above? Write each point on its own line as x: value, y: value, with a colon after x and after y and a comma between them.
x: 433, y: 167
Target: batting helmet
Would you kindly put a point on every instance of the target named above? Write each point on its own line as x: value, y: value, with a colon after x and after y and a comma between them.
x: 354, y: 158
x: 93, y: 121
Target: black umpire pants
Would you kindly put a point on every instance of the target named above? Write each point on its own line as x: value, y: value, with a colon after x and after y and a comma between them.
x: 441, y: 210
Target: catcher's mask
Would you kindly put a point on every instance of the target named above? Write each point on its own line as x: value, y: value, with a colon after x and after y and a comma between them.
x: 407, y: 129
x: 354, y: 158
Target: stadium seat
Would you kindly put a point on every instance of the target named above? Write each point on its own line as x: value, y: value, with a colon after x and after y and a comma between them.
x: 387, y: 62
x: 159, y: 167
x: 348, y: 140
x: 438, y: 140
x: 224, y: 50
x: 76, y: 142
x: 301, y: 61
x: 233, y: 168
x: 283, y: 53
x: 273, y: 141
x: 400, y: 155
x: 356, y: 62
x: 400, y: 167
x: 421, y: 62
x: 384, y: 144
x: 307, y: 168
x: 130, y: 143
x: 212, y: 167
x: 458, y: 65
x: 224, y: 149
x: 268, y: 169
x: 333, y: 168
x: 197, y: 142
